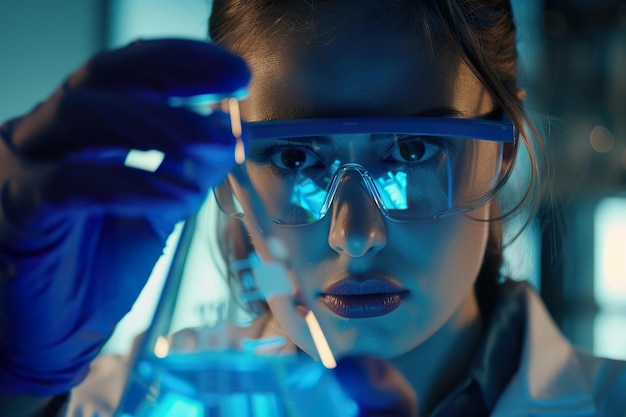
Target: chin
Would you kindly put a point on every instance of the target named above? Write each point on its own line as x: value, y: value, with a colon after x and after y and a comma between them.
x: 385, y: 336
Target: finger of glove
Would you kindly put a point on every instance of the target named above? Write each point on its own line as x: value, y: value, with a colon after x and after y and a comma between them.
x: 377, y: 387
x: 167, y: 67
x: 83, y: 119
x: 178, y: 185
x: 173, y: 192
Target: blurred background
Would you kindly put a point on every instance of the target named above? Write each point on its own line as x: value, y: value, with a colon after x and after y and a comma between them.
x: 573, y: 67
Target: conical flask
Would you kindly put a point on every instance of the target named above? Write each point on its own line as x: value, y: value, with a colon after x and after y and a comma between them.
x: 208, y: 353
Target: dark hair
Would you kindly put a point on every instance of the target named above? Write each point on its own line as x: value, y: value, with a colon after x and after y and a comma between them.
x: 482, y: 32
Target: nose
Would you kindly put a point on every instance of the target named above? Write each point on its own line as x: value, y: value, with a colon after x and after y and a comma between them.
x: 357, y: 225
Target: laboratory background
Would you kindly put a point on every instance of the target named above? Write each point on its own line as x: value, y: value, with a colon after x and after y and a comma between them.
x: 573, y: 61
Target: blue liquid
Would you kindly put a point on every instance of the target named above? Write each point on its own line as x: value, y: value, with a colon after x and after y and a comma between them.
x: 220, y: 384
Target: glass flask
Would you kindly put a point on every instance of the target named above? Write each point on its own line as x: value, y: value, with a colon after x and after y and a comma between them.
x: 203, y: 354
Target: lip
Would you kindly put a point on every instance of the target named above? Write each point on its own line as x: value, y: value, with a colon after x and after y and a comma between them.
x: 375, y: 297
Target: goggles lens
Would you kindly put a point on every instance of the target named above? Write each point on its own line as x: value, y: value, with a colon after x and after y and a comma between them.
x: 420, y: 171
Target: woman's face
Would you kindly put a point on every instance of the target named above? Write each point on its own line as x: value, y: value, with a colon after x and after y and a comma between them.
x: 353, y: 68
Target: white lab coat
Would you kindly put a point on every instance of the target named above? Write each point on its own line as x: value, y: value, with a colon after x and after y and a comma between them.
x: 553, y: 379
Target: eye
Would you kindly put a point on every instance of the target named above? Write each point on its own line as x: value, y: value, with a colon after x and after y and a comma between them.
x: 293, y: 158
x: 413, y: 150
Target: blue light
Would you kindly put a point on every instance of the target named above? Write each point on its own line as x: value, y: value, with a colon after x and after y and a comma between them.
x: 392, y: 189
x: 174, y: 405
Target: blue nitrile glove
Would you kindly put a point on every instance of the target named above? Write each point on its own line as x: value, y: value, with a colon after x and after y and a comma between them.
x: 377, y: 387
x: 79, y: 231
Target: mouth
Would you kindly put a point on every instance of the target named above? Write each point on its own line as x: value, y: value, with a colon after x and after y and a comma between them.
x: 355, y: 299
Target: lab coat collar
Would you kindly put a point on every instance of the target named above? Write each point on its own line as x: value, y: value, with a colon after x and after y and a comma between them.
x: 550, y: 380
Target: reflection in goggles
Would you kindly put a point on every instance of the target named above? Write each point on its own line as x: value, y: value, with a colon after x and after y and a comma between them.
x: 417, y: 168
x: 393, y: 190
x: 297, y: 187
x: 453, y: 179
x: 309, y: 196
x: 306, y: 194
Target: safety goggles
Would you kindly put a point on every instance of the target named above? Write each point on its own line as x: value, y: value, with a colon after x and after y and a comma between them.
x: 412, y: 168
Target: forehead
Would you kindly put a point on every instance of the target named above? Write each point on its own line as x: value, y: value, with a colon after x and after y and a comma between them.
x: 354, y: 65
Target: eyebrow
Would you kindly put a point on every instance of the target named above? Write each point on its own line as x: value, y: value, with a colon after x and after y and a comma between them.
x: 494, y: 114
x: 440, y: 112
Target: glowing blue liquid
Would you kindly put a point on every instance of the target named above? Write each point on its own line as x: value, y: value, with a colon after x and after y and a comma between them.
x: 233, y: 384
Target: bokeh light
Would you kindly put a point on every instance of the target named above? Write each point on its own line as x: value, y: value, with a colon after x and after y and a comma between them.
x: 601, y: 139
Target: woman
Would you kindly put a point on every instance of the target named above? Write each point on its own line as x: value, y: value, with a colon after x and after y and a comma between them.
x: 414, y: 282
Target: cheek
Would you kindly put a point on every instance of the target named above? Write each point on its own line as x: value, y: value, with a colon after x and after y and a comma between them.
x: 444, y: 251
x: 455, y: 267
x: 307, y: 248
x: 443, y: 272
x: 307, y: 245
x: 462, y: 255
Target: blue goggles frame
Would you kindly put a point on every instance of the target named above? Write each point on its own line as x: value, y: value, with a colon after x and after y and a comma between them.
x: 484, y: 129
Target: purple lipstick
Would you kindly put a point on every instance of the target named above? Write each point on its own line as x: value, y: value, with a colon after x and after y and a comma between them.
x: 363, y: 299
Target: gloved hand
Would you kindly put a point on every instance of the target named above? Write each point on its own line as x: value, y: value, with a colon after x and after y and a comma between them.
x: 377, y: 387
x: 79, y: 231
